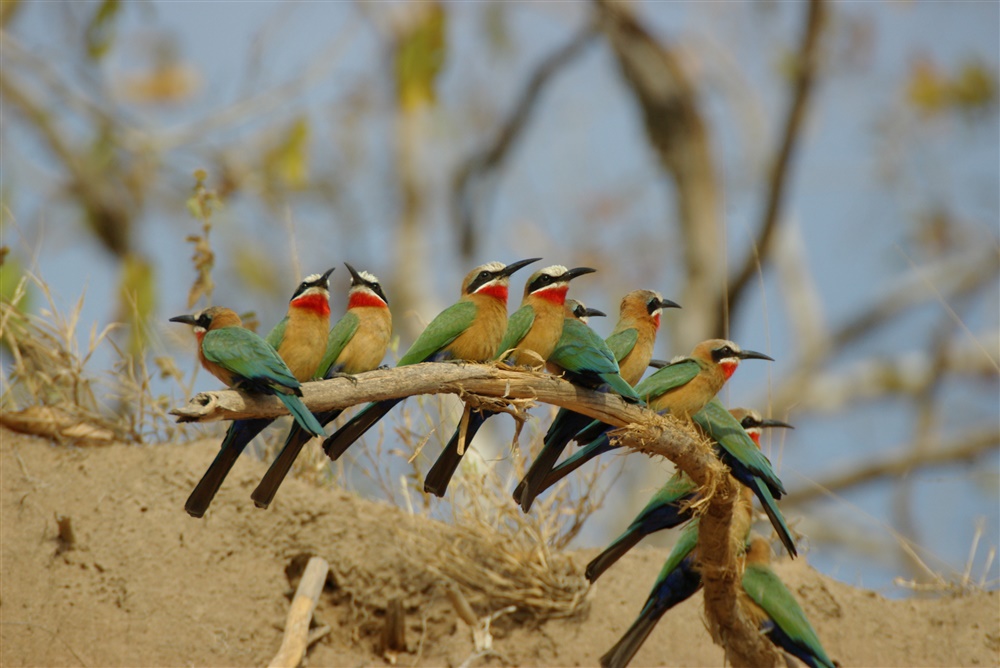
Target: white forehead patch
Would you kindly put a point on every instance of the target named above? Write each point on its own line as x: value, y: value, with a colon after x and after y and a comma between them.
x: 312, y: 277
x: 492, y: 266
x: 554, y: 270
x: 371, y: 278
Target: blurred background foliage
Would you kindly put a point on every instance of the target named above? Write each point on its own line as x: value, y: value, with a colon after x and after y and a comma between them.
x: 814, y: 179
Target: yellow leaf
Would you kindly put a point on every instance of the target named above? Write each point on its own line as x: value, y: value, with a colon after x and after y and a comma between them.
x: 289, y: 160
x: 974, y: 87
x: 419, y: 57
x: 100, y: 31
x: 137, y: 298
x: 926, y: 89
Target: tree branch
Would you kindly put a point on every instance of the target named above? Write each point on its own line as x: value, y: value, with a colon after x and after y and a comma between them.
x: 806, y: 64
x: 645, y: 432
x: 476, y: 168
x: 675, y: 130
x: 965, y: 447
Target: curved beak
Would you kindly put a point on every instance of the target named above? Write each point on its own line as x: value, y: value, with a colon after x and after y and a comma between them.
x: 753, y: 355
x: 186, y: 319
x: 768, y: 422
x: 658, y: 364
x: 325, y: 278
x: 594, y: 313
x: 666, y: 303
x: 576, y: 271
x: 514, y: 266
x: 355, y: 276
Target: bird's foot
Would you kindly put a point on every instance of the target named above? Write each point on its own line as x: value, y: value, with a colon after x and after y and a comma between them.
x: 350, y: 377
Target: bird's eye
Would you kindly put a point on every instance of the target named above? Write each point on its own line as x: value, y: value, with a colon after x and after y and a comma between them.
x: 484, y: 274
x: 546, y: 278
x: 204, y: 321
x: 747, y: 422
x: 376, y: 287
x: 725, y: 351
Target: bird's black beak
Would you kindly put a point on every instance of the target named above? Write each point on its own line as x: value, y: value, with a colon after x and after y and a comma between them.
x: 514, y: 266
x: 658, y: 364
x: 753, y: 355
x: 355, y: 276
x: 186, y: 319
x: 577, y: 271
x: 594, y: 313
x: 768, y: 422
x: 325, y: 278
x: 666, y: 303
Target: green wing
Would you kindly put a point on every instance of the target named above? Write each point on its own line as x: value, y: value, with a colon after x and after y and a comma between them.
x: 581, y: 349
x: 767, y: 591
x: 621, y: 343
x: 242, y: 352
x: 726, y: 430
x: 686, y: 543
x: 517, y: 328
x: 445, y: 328
x: 669, y: 377
x: 675, y: 489
x: 277, y: 333
x: 336, y: 340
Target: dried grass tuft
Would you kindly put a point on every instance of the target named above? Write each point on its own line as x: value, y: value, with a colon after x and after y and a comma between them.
x: 51, y: 393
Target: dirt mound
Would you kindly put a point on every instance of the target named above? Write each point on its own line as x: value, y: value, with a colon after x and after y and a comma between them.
x: 144, y: 584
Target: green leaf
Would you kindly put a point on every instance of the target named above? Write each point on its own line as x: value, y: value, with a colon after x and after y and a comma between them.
x: 100, y: 33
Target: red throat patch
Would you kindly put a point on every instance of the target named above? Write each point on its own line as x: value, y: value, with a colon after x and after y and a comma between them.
x: 496, y: 290
x: 656, y: 320
x: 755, y: 437
x: 555, y: 295
x: 318, y: 304
x: 728, y: 368
x: 362, y: 298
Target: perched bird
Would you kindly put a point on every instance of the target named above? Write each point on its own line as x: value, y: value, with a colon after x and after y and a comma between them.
x: 583, y: 357
x: 469, y: 330
x: 357, y: 343
x: 776, y: 612
x: 677, y: 581
x: 298, y: 339
x: 682, y: 388
x: 631, y: 343
x: 670, y: 506
x: 533, y: 332
x: 741, y: 453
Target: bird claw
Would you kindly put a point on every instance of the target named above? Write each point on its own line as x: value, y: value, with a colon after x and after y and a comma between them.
x: 350, y: 377
x: 384, y: 367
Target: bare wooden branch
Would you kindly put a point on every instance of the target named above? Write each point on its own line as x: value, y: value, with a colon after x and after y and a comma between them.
x: 676, y: 131
x: 646, y: 432
x: 965, y: 447
x: 296, y: 639
x: 472, y: 176
x: 806, y: 65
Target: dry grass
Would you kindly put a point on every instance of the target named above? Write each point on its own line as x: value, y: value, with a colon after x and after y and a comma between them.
x: 50, y: 391
x: 500, y: 556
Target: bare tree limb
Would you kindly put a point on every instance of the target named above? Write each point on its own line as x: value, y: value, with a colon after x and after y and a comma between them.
x: 646, y: 432
x: 965, y: 447
x: 806, y: 65
x: 878, y: 376
x: 472, y: 183
x: 676, y: 131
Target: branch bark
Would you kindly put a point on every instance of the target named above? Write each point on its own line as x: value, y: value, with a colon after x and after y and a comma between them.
x: 645, y: 431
